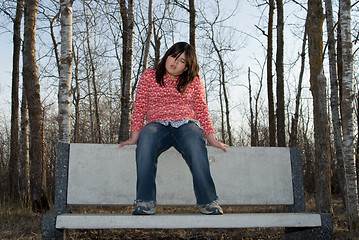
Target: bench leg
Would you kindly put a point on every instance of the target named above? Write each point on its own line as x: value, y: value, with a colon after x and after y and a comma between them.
x: 325, y: 232
x: 49, y: 231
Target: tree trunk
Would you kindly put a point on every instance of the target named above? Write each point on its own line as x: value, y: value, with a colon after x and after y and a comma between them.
x: 64, y: 94
x: 272, y: 122
x: 192, y: 24
x: 148, y: 37
x: 347, y: 112
x: 223, y: 131
x: 225, y: 94
x: 24, y: 152
x: 127, y: 14
x: 15, y: 148
x: 251, y: 118
x: 157, y: 45
x: 318, y: 89
x: 93, y: 79
x: 334, y: 99
x: 76, y: 97
x: 32, y: 88
x: 280, y: 76
x: 294, y: 127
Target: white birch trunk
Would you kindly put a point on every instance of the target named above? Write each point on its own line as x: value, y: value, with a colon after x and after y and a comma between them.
x: 334, y: 97
x: 64, y: 94
x: 347, y: 112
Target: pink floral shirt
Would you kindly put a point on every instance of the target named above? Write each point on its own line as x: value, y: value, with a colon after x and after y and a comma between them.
x: 155, y: 103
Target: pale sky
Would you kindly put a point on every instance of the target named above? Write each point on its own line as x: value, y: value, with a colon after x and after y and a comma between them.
x: 245, y: 20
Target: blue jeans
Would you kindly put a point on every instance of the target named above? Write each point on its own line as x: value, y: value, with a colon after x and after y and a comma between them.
x: 188, y: 140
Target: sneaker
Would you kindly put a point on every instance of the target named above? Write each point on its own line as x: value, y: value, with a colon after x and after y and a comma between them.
x: 144, y: 208
x: 212, y: 209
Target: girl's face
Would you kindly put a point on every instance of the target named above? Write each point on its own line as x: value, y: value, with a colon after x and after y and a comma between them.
x: 175, y: 67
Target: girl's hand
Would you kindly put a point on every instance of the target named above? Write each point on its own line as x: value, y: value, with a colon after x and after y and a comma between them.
x: 132, y: 141
x: 215, y: 143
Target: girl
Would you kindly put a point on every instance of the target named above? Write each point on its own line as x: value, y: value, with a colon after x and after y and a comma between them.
x: 170, y: 110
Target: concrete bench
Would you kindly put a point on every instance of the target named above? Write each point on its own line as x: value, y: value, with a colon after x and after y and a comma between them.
x: 104, y: 174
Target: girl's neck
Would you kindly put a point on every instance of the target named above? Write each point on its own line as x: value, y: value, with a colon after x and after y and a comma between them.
x: 173, y: 77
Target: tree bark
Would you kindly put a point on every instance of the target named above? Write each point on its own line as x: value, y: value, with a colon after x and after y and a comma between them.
x: 347, y: 112
x: 64, y: 93
x: 224, y: 89
x: 334, y: 98
x: 32, y: 88
x: 280, y: 76
x: 127, y: 14
x: 192, y: 24
x: 76, y: 97
x: 98, y: 130
x: 24, y: 152
x: 294, y: 128
x: 251, y: 119
x: 318, y: 89
x: 148, y: 37
x: 15, y: 147
x: 272, y: 122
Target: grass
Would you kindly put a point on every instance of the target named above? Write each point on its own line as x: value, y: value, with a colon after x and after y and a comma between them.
x: 19, y: 222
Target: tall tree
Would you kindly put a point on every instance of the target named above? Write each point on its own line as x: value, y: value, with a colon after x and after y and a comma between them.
x: 64, y: 94
x: 190, y: 8
x: 127, y: 15
x: 24, y: 148
x: 32, y: 88
x: 219, y: 50
x: 334, y: 97
x: 192, y: 23
x: 280, y: 76
x: 92, y: 73
x: 271, y: 115
x: 318, y: 89
x: 347, y: 112
x: 15, y: 147
x: 148, y: 36
x: 294, y: 127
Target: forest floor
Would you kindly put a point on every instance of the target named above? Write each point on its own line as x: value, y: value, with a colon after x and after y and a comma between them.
x: 18, y: 222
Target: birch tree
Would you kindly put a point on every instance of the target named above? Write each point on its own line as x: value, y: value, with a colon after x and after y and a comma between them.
x: 347, y: 113
x: 334, y: 96
x: 64, y: 94
x: 318, y: 89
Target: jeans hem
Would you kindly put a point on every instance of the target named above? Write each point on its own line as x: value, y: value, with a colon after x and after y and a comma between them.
x: 139, y: 200
x: 202, y: 205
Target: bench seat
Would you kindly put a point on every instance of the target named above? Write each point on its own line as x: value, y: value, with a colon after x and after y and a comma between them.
x: 182, y: 221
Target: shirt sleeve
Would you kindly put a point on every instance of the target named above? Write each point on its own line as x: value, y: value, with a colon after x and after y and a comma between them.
x: 200, y: 106
x: 140, y: 107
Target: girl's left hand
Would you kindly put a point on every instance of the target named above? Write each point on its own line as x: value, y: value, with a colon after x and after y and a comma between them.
x: 215, y: 143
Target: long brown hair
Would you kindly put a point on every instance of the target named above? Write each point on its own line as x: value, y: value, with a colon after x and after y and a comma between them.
x: 192, y: 66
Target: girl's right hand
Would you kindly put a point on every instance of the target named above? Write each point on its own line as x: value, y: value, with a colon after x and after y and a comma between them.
x: 132, y: 141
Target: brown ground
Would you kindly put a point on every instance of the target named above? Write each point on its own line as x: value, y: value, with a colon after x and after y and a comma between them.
x: 21, y: 223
